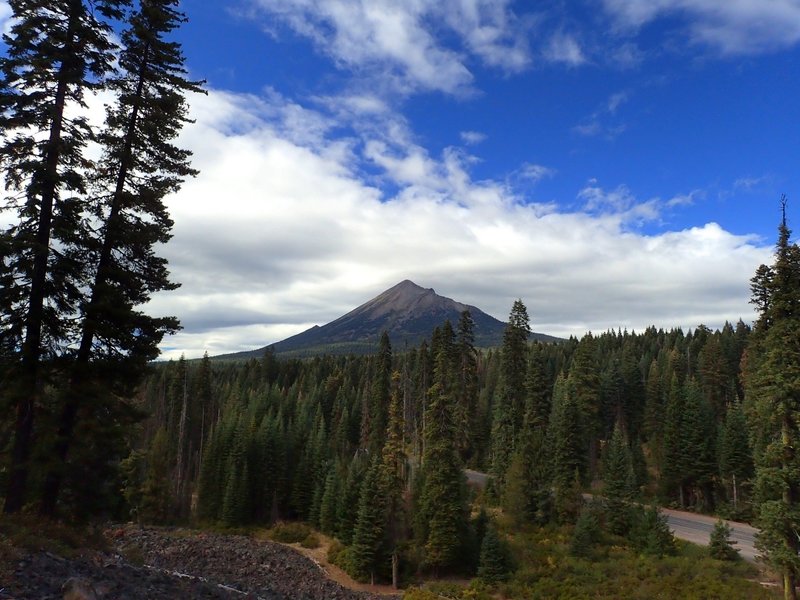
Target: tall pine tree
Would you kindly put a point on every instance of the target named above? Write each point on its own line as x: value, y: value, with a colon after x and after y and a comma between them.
x: 773, y: 399
x: 57, y: 52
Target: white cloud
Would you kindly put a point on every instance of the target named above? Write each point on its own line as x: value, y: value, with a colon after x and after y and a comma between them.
x: 536, y: 172
x: 597, y: 124
x: 616, y: 100
x: 472, y: 137
x: 564, y: 48
x: 401, y: 42
x: 279, y: 233
x: 5, y: 17
x: 730, y: 27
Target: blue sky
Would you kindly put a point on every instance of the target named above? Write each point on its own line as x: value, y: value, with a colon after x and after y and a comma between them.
x: 614, y: 163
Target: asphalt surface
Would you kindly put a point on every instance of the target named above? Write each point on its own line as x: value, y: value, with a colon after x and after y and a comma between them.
x: 697, y: 529
x: 684, y: 525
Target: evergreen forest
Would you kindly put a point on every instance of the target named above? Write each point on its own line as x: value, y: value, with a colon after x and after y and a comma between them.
x: 439, y: 461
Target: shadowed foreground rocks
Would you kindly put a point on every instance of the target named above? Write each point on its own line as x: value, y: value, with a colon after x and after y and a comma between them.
x: 176, y: 564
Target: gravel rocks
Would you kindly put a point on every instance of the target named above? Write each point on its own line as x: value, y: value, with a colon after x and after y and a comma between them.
x: 178, y: 564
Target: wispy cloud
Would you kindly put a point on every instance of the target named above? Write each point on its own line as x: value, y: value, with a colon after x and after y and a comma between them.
x: 564, y: 48
x: 734, y: 27
x: 401, y: 41
x: 749, y: 183
x: 602, y: 123
x: 472, y: 137
x: 536, y: 173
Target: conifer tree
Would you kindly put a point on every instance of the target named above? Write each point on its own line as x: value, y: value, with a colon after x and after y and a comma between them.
x: 466, y: 386
x: 58, y: 50
x: 393, y: 466
x: 443, y: 502
x: 735, y: 454
x: 619, y: 482
x: 586, y: 533
x: 510, y: 398
x: 538, y: 389
x: 772, y: 386
x: 494, y: 563
x: 366, y: 552
x: 720, y: 545
x: 564, y: 436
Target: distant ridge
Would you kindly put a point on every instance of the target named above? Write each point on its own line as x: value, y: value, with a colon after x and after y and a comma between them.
x: 408, y: 312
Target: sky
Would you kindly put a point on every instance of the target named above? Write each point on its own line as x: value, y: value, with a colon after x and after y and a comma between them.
x: 612, y: 163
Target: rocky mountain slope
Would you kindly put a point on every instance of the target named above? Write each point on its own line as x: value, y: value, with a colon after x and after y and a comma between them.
x: 408, y: 312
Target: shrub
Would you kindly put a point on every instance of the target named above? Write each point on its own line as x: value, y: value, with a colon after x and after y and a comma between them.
x: 310, y: 541
x: 289, y: 533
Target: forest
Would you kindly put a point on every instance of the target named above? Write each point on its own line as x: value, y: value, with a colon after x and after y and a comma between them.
x: 369, y: 450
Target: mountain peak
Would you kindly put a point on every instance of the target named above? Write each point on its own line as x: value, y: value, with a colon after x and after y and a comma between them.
x: 407, y: 311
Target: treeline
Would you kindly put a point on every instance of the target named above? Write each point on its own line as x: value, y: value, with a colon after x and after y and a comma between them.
x: 372, y: 449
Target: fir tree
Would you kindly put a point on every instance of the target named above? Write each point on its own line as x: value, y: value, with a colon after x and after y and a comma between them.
x: 442, y: 497
x: 720, y: 545
x: 651, y: 534
x: 735, y: 454
x: 510, y: 400
x: 773, y: 397
x: 57, y: 51
x: 586, y: 533
x: 494, y: 563
x: 366, y: 552
x: 619, y: 482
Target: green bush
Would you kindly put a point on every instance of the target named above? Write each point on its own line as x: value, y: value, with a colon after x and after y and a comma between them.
x: 289, y: 532
x: 310, y: 541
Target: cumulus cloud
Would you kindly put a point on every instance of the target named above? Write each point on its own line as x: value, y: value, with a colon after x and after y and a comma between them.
x: 735, y: 27
x: 279, y: 233
x: 401, y: 40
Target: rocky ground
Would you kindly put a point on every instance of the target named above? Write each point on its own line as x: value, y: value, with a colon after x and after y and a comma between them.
x: 161, y: 564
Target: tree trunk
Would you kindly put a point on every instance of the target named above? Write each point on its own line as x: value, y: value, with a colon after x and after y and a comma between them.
x: 395, y: 569
x: 789, y: 590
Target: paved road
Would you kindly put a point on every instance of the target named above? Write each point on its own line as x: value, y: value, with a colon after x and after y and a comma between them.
x: 697, y: 529
x: 684, y: 525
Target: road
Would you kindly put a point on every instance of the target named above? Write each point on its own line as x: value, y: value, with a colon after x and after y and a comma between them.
x: 684, y: 525
x: 697, y: 529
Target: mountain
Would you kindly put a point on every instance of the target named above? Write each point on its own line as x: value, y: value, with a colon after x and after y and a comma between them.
x: 408, y: 312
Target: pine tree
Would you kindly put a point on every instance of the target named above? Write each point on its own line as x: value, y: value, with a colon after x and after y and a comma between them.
x: 619, y: 481
x: 366, y: 552
x: 494, y: 563
x: 651, y: 534
x: 510, y: 399
x: 720, y: 545
x: 772, y: 386
x: 392, y: 484
x: 57, y: 51
x: 735, y: 454
x: 466, y: 391
x: 139, y: 167
x: 565, y: 440
x: 443, y: 502
x: 586, y: 533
